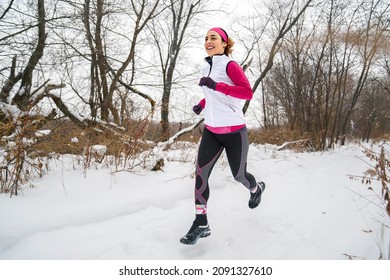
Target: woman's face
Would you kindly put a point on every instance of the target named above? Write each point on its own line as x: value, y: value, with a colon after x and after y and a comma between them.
x: 213, y: 43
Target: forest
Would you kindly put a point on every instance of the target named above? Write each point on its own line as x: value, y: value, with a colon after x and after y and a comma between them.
x: 79, y: 73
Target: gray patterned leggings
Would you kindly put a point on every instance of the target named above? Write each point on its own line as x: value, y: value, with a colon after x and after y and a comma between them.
x: 210, y: 149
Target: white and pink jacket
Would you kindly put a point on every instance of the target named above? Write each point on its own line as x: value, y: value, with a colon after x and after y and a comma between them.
x: 222, y: 107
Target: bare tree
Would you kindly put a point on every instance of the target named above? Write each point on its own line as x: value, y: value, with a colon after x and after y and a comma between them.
x: 289, y: 21
x: 170, y: 36
x: 16, y: 119
x: 23, y: 95
x: 315, y: 79
x: 106, y: 75
x: 368, y: 41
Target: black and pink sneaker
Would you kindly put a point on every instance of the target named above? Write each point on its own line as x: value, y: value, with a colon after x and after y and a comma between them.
x: 255, y: 198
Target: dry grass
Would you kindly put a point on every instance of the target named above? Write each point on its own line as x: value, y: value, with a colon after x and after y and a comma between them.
x: 274, y: 136
x: 24, y: 155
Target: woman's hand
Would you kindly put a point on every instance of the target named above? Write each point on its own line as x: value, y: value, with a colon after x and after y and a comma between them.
x: 197, y: 109
x: 208, y: 82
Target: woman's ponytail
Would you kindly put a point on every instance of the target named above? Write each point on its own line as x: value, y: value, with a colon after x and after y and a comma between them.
x: 229, y: 47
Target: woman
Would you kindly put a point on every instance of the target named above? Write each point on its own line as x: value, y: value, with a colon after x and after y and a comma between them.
x: 224, y: 84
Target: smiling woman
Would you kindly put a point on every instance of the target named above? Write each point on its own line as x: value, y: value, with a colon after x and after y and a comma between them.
x: 224, y: 85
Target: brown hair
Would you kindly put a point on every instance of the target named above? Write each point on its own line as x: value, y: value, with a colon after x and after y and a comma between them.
x: 229, y: 47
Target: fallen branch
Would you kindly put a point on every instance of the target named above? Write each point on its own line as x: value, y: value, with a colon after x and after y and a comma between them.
x: 287, y: 144
x: 164, y: 145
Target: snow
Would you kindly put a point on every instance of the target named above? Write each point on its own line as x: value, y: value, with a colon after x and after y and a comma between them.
x: 311, y: 210
x: 43, y: 132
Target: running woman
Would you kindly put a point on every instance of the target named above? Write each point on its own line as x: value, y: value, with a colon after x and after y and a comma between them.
x: 224, y: 85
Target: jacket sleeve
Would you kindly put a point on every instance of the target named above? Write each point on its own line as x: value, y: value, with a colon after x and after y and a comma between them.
x: 241, y: 88
x: 202, y: 103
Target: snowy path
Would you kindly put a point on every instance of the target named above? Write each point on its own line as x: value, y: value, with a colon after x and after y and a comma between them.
x: 310, y: 210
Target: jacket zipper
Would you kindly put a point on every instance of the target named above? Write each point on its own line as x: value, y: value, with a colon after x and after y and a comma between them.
x: 210, y: 61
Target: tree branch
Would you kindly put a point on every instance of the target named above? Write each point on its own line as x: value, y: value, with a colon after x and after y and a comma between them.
x: 282, y: 32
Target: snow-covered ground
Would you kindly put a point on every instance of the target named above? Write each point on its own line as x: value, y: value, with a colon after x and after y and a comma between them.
x: 311, y: 210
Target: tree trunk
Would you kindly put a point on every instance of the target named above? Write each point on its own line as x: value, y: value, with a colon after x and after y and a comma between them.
x: 23, y: 95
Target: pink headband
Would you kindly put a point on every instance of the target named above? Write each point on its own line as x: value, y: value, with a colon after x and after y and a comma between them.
x: 221, y: 32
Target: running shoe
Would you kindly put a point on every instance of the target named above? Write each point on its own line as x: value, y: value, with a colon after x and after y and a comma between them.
x: 195, y: 233
x: 255, y: 198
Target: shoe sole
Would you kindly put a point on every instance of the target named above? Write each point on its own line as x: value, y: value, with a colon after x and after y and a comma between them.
x: 202, y: 235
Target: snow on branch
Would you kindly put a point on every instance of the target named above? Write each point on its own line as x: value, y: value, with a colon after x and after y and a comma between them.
x: 164, y: 145
x: 161, y: 147
x: 287, y: 144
